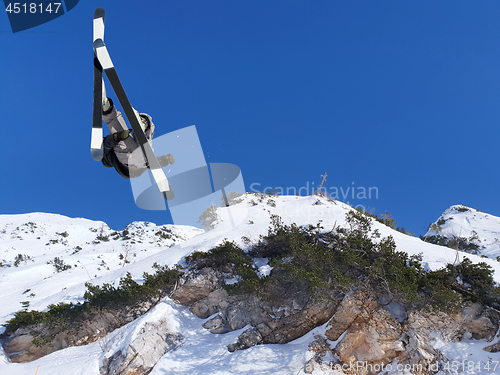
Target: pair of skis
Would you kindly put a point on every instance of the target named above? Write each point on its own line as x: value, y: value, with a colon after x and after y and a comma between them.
x: 102, y: 61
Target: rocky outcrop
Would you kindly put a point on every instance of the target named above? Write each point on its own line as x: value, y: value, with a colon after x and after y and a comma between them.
x: 475, y: 321
x: 151, y: 343
x: 196, y: 285
x: 33, y: 342
x: 370, y: 333
x: 366, y: 335
x: 247, y: 339
x: 277, y: 321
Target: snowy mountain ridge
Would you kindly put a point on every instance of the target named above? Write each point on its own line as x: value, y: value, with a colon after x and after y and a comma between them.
x: 460, y: 221
x: 30, y: 243
x: 60, y: 254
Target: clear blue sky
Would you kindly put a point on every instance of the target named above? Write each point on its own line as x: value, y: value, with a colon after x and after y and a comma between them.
x: 403, y: 96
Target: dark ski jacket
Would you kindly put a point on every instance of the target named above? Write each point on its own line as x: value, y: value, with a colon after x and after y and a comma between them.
x: 110, y: 160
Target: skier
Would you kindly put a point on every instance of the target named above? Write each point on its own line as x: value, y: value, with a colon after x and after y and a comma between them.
x: 121, y: 150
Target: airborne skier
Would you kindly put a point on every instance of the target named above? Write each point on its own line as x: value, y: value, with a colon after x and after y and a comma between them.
x: 121, y: 149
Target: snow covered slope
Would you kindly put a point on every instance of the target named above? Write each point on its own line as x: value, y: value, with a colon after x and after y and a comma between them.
x: 48, y: 258
x: 99, y: 254
x: 465, y: 222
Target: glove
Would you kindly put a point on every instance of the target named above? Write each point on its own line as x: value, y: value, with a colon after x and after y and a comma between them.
x: 121, y: 136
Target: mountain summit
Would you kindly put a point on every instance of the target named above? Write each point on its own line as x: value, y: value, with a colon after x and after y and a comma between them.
x: 467, y: 229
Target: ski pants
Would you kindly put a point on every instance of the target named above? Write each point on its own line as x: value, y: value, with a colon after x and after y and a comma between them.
x: 128, y: 151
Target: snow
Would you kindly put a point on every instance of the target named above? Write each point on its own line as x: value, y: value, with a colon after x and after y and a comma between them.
x: 264, y: 268
x: 97, y: 254
x: 463, y: 221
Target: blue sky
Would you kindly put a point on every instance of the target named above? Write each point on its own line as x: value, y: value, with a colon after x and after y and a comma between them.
x: 401, y: 96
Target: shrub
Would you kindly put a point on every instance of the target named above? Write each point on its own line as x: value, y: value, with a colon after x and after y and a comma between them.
x: 128, y: 294
x: 338, y: 260
x: 228, y: 258
x: 470, y: 245
x: 209, y: 217
x: 387, y: 219
x: 164, y: 233
x: 352, y: 257
x: 59, y: 264
x: 21, y: 258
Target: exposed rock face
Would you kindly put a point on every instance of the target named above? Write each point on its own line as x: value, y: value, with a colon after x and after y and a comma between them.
x: 151, y: 343
x: 365, y: 333
x: 194, y: 286
x: 480, y: 322
x: 277, y: 321
x: 33, y: 342
x: 21, y: 349
x: 371, y: 334
x: 475, y: 321
x: 216, y: 301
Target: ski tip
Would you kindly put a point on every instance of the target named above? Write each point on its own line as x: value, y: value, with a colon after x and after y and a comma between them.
x: 99, y: 13
x: 96, y: 154
x: 168, y: 195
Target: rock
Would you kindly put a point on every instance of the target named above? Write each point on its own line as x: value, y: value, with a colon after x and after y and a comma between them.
x: 216, y: 301
x: 419, y: 354
x: 21, y: 349
x: 372, y: 336
x: 151, y: 343
x: 195, y: 285
x: 27, y: 348
x: 310, y: 365
x: 477, y: 320
x: 480, y: 321
x: 214, y: 324
x: 297, y: 324
x: 32, y: 342
x: 493, y: 348
x: 353, y: 305
x: 247, y: 339
x: 238, y: 312
x: 277, y: 320
x: 319, y: 346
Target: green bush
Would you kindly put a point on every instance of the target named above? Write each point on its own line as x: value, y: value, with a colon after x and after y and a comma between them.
x: 339, y: 260
x: 128, y: 294
x: 470, y: 245
x: 387, y: 219
x: 229, y: 258
x: 59, y: 264
x: 352, y: 257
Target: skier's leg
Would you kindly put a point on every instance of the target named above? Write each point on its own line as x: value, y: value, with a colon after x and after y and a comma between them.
x: 106, y: 104
x: 114, y: 119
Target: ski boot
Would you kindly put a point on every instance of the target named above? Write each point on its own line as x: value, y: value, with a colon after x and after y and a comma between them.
x: 165, y: 160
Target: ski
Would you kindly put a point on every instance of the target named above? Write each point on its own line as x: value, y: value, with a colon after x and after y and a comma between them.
x: 96, y: 136
x: 158, y: 174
